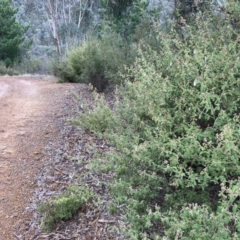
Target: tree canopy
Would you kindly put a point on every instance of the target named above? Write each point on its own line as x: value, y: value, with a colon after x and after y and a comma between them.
x: 11, y: 34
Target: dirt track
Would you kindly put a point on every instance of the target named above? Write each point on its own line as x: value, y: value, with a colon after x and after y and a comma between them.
x: 28, y: 108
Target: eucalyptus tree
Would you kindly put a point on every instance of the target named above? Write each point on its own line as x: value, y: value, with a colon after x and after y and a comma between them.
x: 68, y: 21
x: 56, y: 25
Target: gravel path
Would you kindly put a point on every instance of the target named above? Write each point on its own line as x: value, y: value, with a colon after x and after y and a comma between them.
x: 41, y: 154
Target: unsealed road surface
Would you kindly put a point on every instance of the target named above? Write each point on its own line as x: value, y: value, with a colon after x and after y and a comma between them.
x: 29, y: 106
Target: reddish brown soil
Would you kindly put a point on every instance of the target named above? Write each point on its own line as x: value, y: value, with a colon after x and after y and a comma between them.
x: 28, y: 108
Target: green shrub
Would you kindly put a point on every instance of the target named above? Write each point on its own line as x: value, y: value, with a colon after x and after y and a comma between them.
x: 34, y: 65
x: 7, y: 70
x: 89, y: 63
x: 96, y: 61
x: 176, y: 131
x: 98, y: 120
x: 26, y: 66
x: 64, y: 206
x: 200, y: 222
x: 64, y: 72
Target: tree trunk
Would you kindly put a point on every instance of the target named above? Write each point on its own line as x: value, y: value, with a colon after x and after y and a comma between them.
x: 51, y: 10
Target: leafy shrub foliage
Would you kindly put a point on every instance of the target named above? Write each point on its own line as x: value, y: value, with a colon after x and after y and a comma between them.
x: 124, y: 16
x: 64, y: 206
x: 96, y: 61
x: 200, y: 222
x: 64, y: 71
x: 98, y: 120
x: 176, y: 130
x: 12, y: 40
x: 26, y: 66
x: 7, y: 70
x: 34, y: 65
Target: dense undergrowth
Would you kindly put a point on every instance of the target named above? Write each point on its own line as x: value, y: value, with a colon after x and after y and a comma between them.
x: 64, y: 206
x: 6, y: 70
x: 176, y: 128
x: 27, y: 66
x: 96, y: 61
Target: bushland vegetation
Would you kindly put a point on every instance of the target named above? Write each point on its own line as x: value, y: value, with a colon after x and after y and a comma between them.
x: 175, y: 124
x: 175, y: 130
x: 64, y: 206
